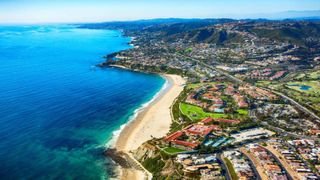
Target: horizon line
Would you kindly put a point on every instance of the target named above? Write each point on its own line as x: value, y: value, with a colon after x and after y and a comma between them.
x: 182, y: 18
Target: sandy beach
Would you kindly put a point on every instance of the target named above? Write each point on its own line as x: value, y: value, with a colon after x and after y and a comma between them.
x: 153, y: 121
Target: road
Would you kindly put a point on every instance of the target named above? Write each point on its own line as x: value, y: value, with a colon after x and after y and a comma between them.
x: 281, y: 131
x: 280, y: 164
x: 302, y: 158
x: 254, y: 168
x: 302, y: 108
x: 256, y: 164
x: 294, y: 175
x: 213, y: 68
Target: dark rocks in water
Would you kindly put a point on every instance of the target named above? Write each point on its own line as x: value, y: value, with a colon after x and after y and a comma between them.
x: 111, y: 56
x: 122, y: 159
x: 118, y: 157
x: 106, y: 63
x: 110, y: 59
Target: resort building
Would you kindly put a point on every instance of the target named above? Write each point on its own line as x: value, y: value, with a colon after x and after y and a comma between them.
x: 188, y: 138
x: 210, y: 120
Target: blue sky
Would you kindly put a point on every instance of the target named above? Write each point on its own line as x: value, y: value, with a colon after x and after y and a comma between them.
x: 40, y: 11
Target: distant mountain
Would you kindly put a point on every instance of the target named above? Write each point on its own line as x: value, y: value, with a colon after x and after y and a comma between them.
x: 197, y: 22
x: 174, y: 24
x: 298, y: 15
x: 300, y: 31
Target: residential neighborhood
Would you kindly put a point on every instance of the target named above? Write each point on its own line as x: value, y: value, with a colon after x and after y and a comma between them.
x: 250, y: 106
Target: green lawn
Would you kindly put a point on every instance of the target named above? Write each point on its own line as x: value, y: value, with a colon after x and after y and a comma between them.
x: 263, y: 83
x: 197, y: 85
x: 315, y: 75
x: 311, y: 75
x: 172, y: 150
x: 309, y: 98
x: 196, y: 113
x: 231, y: 170
x: 243, y: 112
x: 315, y: 86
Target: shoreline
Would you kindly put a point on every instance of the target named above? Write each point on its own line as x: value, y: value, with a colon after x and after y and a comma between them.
x: 118, y: 66
x: 152, y: 120
x: 150, y: 114
x: 116, y: 134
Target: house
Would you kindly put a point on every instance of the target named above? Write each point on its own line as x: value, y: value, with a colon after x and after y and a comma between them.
x: 209, y: 120
x: 314, y: 132
x: 227, y: 121
x: 206, y: 121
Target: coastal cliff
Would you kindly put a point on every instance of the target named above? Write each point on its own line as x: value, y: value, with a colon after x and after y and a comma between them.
x: 160, y: 164
x: 142, y: 67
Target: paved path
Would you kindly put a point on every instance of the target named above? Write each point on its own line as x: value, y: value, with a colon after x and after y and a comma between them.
x: 138, y: 166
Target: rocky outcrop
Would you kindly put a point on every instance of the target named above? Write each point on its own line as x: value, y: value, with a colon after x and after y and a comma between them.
x: 145, y: 151
x: 160, y: 164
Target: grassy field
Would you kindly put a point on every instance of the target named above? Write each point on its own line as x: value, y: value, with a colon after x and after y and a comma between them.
x: 308, y: 97
x: 298, y: 90
x: 197, y: 85
x: 196, y: 113
x: 311, y: 75
x: 314, y: 86
x: 231, y: 170
x: 263, y: 83
x: 172, y: 150
x: 243, y: 112
x: 315, y: 75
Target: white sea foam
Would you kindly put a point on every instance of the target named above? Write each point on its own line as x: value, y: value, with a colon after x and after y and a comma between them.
x: 116, y: 133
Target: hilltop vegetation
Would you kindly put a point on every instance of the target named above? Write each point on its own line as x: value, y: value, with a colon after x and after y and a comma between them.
x: 206, y: 31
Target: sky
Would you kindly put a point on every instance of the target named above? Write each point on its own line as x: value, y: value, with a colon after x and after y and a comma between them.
x: 59, y: 11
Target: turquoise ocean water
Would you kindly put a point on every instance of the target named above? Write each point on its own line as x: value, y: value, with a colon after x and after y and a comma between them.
x: 57, y: 111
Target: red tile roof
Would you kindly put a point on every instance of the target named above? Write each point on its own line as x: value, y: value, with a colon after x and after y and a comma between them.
x: 230, y: 121
x: 173, y: 136
x: 207, y: 120
x: 314, y: 131
x: 185, y: 143
x: 198, y: 129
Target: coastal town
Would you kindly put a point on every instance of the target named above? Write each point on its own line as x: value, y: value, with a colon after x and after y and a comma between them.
x: 160, y: 89
x: 249, y: 107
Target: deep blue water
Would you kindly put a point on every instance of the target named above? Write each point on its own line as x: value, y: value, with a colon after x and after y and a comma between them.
x: 57, y: 111
x: 305, y: 87
x: 302, y: 87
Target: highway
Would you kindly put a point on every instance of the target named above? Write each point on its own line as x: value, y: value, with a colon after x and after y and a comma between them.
x: 213, y: 68
x: 302, y: 108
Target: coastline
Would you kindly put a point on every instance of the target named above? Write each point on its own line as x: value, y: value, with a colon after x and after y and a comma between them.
x: 118, y: 66
x: 156, y: 113
x: 153, y: 120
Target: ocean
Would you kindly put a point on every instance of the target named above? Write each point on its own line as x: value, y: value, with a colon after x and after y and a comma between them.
x: 57, y: 110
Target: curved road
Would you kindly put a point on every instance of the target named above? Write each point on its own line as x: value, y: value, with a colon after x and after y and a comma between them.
x: 296, y: 103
